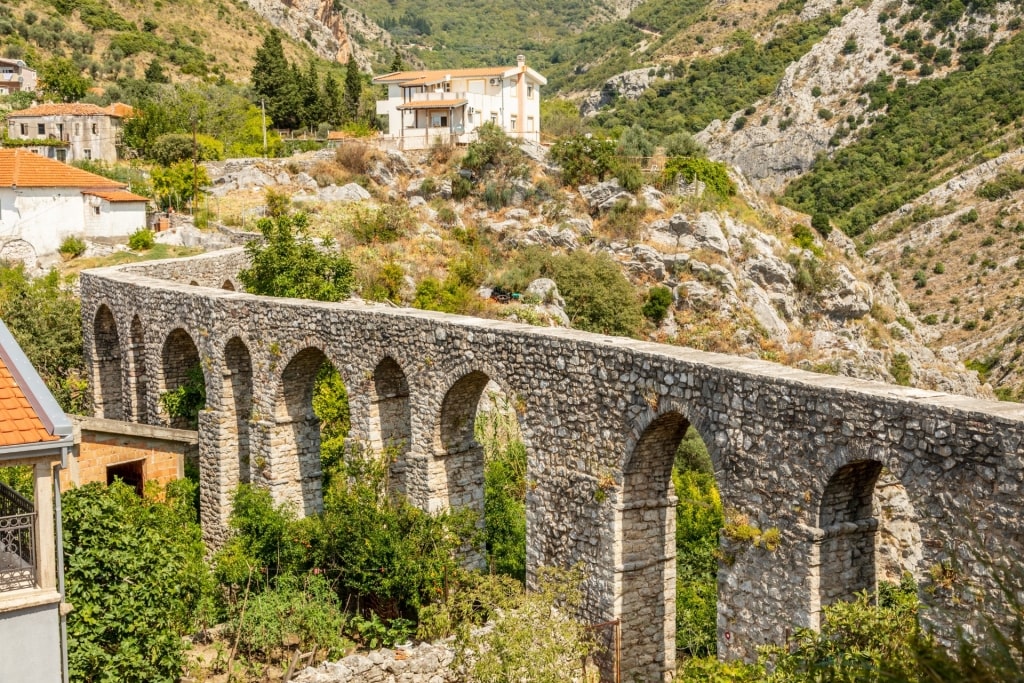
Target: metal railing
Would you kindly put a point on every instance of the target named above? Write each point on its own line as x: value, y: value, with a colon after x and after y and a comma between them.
x: 17, y: 541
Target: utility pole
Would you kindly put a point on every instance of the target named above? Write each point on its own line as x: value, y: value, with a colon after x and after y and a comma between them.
x: 263, y: 108
x: 195, y: 165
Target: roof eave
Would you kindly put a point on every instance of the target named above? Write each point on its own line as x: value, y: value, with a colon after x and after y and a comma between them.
x: 35, y: 390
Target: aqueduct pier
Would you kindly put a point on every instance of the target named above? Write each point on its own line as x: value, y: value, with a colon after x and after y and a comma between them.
x: 861, y: 479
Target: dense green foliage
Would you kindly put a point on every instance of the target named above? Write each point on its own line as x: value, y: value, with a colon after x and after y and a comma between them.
x: 928, y: 130
x: 136, y: 576
x: 598, y: 297
x: 713, y: 174
x: 61, y: 80
x: 709, y: 89
x: 44, y: 316
x: 187, y: 400
x: 177, y: 185
x: 583, y: 158
x: 504, y: 492
x: 287, y: 262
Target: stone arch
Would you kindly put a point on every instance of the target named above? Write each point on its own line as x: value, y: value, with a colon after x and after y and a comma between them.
x: 236, y: 402
x: 391, y: 418
x: 462, y: 458
x: 108, y: 401
x: 867, y: 532
x: 847, y: 535
x: 179, y: 357
x: 646, y: 558
x: 228, y: 285
x: 138, y: 377
x: 295, y: 474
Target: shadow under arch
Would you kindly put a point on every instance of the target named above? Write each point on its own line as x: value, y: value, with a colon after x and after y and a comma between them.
x: 295, y: 470
x: 646, y: 550
x: 866, y: 532
x: 236, y: 399
x: 391, y: 419
x: 181, y: 366
x: 108, y: 400
x: 138, y: 373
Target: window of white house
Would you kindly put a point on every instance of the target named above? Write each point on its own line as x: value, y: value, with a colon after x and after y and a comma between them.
x: 494, y: 118
x: 513, y: 120
x: 24, y: 129
x: 529, y: 124
x: 95, y: 128
x: 87, y: 153
x: 447, y: 86
x: 96, y: 209
x: 78, y: 129
x: 41, y: 128
x: 529, y: 90
x: 438, y: 121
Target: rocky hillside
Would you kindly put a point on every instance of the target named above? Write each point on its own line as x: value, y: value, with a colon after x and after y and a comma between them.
x: 744, y: 276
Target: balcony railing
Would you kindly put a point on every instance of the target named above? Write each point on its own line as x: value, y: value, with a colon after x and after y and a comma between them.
x: 17, y: 541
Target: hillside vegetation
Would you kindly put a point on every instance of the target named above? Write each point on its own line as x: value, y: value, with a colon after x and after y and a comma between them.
x: 114, y: 39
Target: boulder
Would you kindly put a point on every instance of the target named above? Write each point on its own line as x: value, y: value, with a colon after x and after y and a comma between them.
x: 848, y: 298
x: 769, y: 272
x: 653, y: 198
x: 603, y: 196
x: 546, y: 291
x: 251, y: 177
x: 352, y: 192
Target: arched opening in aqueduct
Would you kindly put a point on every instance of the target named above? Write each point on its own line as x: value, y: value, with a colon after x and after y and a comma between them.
x: 107, y: 366
x: 237, y: 400
x: 180, y: 360
x: 659, y: 590
x: 481, y: 465
x: 867, y: 533
x: 296, y: 471
x: 138, y: 375
x: 391, y: 420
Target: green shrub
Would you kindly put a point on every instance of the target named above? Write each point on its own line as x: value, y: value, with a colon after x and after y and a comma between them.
x: 583, y: 158
x: 461, y: 188
x: 385, y: 224
x: 141, y: 240
x: 504, y: 493
x: 298, y: 612
x: 288, y: 263
x: 135, y: 573
x: 739, y: 123
x: 72, y: 246
x: 187, y: 400
x: 491, y: 148
x: 712, y: 173
x: 900, y: 369
x: 630, y: 176
x: 825, y: 114
x: 659, y: 300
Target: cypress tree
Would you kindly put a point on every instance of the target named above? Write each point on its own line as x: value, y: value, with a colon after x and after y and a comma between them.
x: 353, y: 89
x: 274, y: 81
x: 332, y: 100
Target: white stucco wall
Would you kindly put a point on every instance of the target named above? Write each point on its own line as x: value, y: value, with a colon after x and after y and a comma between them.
x: 30, y: 645
x: 43, y: 217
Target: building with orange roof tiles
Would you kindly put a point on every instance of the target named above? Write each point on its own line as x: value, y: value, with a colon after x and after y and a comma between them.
x: 449, y: 105
x: 43, y: 202
x: 70, y: 132
x: 34, y: 434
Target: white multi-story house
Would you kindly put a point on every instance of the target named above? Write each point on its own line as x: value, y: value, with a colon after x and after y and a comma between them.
x: 449, y: 105
x: 15, y: 76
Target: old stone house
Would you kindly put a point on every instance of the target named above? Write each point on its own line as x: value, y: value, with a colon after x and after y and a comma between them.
x: 15, y: 76
x: 449, y: 105
x: 34, y: 433
x: 43, y: 201
x: 70, y: 132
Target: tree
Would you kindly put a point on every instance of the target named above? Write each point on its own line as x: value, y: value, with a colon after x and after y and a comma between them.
x: 397, y: 64
x: 353, y: 89
x: 60, y: 79
x: 274, y: 81
x: 135, y: 574
x: 288, y: 263
x: 175, y: 185
x: 310, y: 94
x: 332, y: 100
x: 155, y: 72
x: 583, y: 158
x: 635, y: 142
x: 44, y: 316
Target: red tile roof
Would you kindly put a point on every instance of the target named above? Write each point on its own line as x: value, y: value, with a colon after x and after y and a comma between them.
x: 19, y: 423
x: 420, y: 77
x: 22, y: 168
x: 74, y: 109
x: 116, y: 195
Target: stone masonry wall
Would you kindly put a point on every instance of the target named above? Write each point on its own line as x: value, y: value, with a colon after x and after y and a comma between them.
x: 600, y: 417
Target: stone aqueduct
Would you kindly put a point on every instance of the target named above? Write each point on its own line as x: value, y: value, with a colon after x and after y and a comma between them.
x: 602, y: 417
